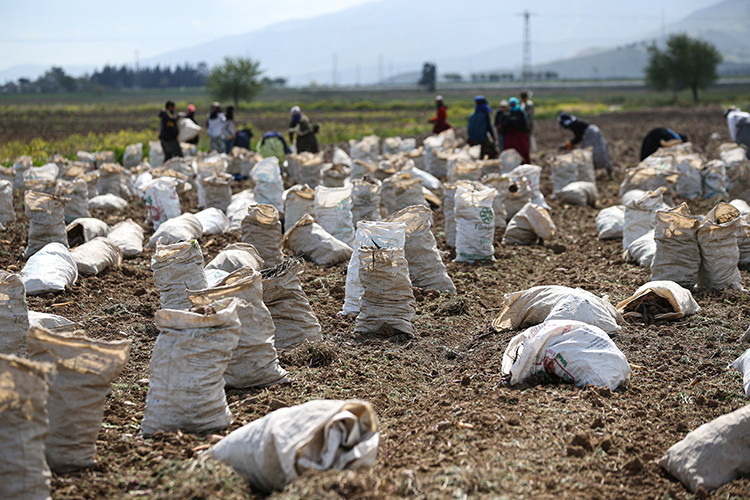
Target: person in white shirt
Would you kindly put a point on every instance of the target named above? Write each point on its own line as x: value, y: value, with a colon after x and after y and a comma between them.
x: 738, y: 122
x: 215, y: 128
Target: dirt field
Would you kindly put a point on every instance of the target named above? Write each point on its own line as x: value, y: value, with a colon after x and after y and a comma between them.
x: 450, y: 429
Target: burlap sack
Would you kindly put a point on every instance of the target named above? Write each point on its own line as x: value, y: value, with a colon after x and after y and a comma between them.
x: 318, y: 435
x: 292, y: 315
x: 85, y: 229
x: 677, y: 256
x: 24, y: 473
x: 46, y: 224
x: 387, y: 305
x: 426, y: 267
x: 254, y: 361
x: 84, y: 369
x: 114, y: 179
x: 261, y: 228
x: 190, y: 356
x: 13, y: 313
x: 400, y: 191
x: 530, y: 224
x: 717, y: 238
x: 183, y: 228
x: 78, y: 194
x: 333, y: 211
x: 177, y: 268
x: 298, y: 201
x: 96, y: 256
x: 235, y: 256
x: 7, y: 213
x: 127, y: 235
x: 475, y: 224
x: 309, y: 240
x: 217, y: 190
x: 365, y: 200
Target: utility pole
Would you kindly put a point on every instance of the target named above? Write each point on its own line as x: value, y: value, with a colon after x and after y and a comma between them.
x: 526, y: 71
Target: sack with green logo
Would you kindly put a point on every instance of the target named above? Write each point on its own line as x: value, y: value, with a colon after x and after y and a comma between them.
x: 475, y: 224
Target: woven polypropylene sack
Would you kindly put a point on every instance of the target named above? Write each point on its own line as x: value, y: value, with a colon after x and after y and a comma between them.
x: 85, y: 229
x: 77, y: 193
x: 581, y: 193
x: 298, y: 201
x: 680, y: 300
x: 501, y: 183
x: 642, y: 250
x: 51, y: 269
x: 213, y: 221
x: 475, y: 224
x: 677, y: 257
x: 186, y: 373
x: 13, y: 313
x: 400, y: 191
x: 177, y: 268
x: 530, y: 224
x: 269, y: 188
x: 127, y: 235
x: 609, y: 222
x: 186, y: 227
x: 84, y: 370
x: 640, y: 215
x: 217, y: 190
x: 46, y: 220
x: 309, y: 240
x: 235, y: 256
x: 162, y: 201
x: 7, y: 214
x: 261, y: 228
x: 96, y: 256
x: 365, y: 200
x: 114, y: 179
x: 717, y: 238
x: 333, y: 211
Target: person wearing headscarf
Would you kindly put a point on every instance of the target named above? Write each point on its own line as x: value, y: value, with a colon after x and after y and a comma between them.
x: 301, y: 127
x: 191, y: 116
x: 229, y: 130
x: 440, y: 120
x: 738, y: 122
x: 587, y: 135
x: 273, y: 144
x: 480, y: 129
x: 528, y: 106
x: 658, y: 138
x: 215, y: 128
x: 515, y: 129
x: 499, y: 124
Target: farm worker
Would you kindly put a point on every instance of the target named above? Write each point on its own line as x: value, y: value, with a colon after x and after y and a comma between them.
x: 738, y: 122
x: 215, y: 128
x: 515, y: 129
x: 440, y: 120
x: 480, y: 128
x: 305, y: 131
x: 273, y: 144
x: 658, y: 138
x: 588, y: 135
x: 190, y: 115
x: 168, y: 132
x: 499, y: 124
x: 228, y: 131
x: 528, y: 106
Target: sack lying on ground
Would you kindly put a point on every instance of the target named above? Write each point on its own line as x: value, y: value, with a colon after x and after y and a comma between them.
x: 743, y: 365
x: 213, y: 221
x: 14, y: 314
x: 640, y: 216
x: 235, y: 256
x: 401, y: 190
x: 365, y: 200
x: 127, y: 235
x: 96, y: 256
x: 379, y: 233
x: 333, y: 211
x: 276, y: 449
x: 572, y: 351
x: 387, y: 305
x: 426, y: 267
x: 530, y: 224
x: 269, y: 188
x: 254, y: 361
x: 717, y: 238
x: 107, y: 202
x: 176, y: 268
x: 262, y: 229
x: 309, y: 240
x: 642, y: 250
x: 84, y: 369
x: 24, y: 425
x: 538, y: 304
x: 475, y: 224
x: 51, y: 269
x: 292, y: 315
x: 85, y: 229
x: 237, y: 210
x: 217, y: 191
x: 298, y: 201
x: 162, y: 202
x: 580, y: 193
x: 660, y: 299
x: 186, y: 227
x: 190, y: 356
x: 609, y: 222
x: 7, y: 214
x: 46, y: 225
x: 713, y: 454
x: 52, y: 322
x: 677, y: 257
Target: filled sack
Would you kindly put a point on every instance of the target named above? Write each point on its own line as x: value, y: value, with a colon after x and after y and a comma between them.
x: 133, y: 155
x: 217, y: 191
x: 7, y: 213
x: 571, y: 351
x: 188, y: 361
x: 642, y: 250
x: 269, y: 188
x: 640, y: 216
x: 52, y: 322
x: 85, y: 229
x: 254, y: 361
x: 128, y: 236
x: 309, y: 240
x: 177, y: 268
x: 238, y: 208
x: 365, y: 200
x: 333, y: 211
x: 743, y: 365
x: 714, y: 179
x: 501, y: 183
x: 13, y: 313
x: 318, y: 435
x: 46, y: 220
x: 114, y: 179
x: 107, y: 202
x: 334, y: 175
x: 162, y: 201
x: 84, y: 370
x: 77, y: 193
x: 609, y: 222
x: 298, y: 201
x: 475, y: 224
x: 213, y: 221
x: 235, y: 256
x: 51, y: 269
x: 580, y: 193
x: 530, y: 224
x: 97, y: 255
x: 261, y: 228
x: 400, y: 191
x: 677, y: 257
x: 661, y: 300
x: 186, y: 227
x: 717, y: 238
x: 577, y: 165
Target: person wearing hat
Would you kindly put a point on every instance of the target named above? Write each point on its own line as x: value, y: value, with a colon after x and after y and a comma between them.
x: 660, y: 137
x: 440, y: 120
x: 738, y: 122
x: 301, y: 127
x: 168, y: 131
x: 190, y: 115
x: 215, y: 128
x: 588, y: 135
x: 515, y: 129
x: 480, y: 128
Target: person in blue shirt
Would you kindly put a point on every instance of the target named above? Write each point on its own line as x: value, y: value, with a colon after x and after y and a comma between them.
x: 660, y: 137
x: 480, y: 129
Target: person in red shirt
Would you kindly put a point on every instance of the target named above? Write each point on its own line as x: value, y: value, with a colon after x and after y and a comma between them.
x: 440, y: 120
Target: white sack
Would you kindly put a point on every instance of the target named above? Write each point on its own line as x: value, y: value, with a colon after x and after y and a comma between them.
x: 365, y: 200
x: 133, y: 155
x: 609, y: 222
x: 717, y: 238
x: 533, y: 173
x: 237, y: 209
x: 528, y: 225
x: 475, y: 224
x: 235, y: 256
x: 85, y: 229
x: 162, y: 201
x: 743, y: 365
x: 51, y: 269
x: 580, y: 193
x: 261, y: 228
x: 677, y: 257
x: 7, y: 213
x: 51, y: 322
x: 46, y: 225
x: 186, y: 227
x: 642, y: 250
x: 127, y: 235
x: 298, y: 201
x: 14, y: 315
x: 217, y: 191
x: 714, y: 179
x: 309, y: 240
x: 213, y: 221
x: 77, y: 193
x: 333, y: 211
x: 188, y: 129
x: 269, y: 188
x: 176, y: 268
x: 640, y: 216
x: 97, y: 255
x: 107, y: 202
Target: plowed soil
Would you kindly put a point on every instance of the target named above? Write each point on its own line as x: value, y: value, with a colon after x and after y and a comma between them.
x: 450, y: 428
